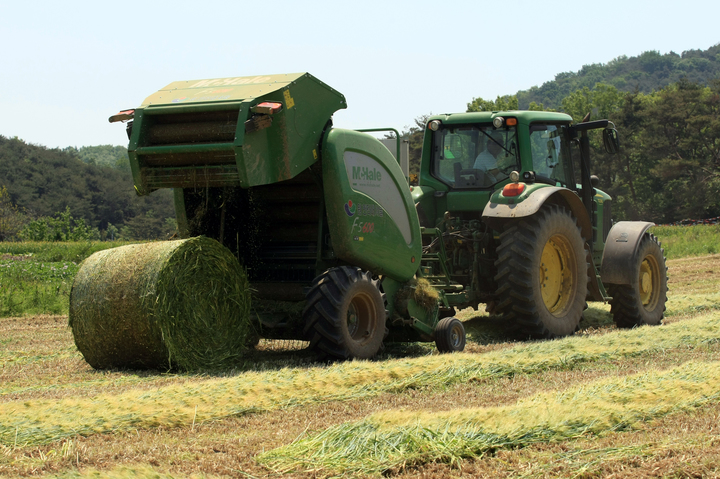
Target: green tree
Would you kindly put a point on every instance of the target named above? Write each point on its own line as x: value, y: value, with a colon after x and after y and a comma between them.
x: 414, y: 134
x: 501, y: 103
x: 61, y: 227
x: 682, y: 137
x: 148, y: 226
x: 104, y: 155
x: 11, y: 217
x: 111, y: 232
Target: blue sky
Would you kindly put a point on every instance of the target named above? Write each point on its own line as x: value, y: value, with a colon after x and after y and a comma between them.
x: 67, y: 66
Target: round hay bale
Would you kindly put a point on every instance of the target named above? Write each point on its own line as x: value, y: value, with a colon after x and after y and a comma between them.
x: 176, y: 304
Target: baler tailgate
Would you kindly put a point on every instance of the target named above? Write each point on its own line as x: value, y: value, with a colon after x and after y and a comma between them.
x: 217, y: 133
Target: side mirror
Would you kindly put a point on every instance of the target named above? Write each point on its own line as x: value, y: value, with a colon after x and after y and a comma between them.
x: 611, y: 141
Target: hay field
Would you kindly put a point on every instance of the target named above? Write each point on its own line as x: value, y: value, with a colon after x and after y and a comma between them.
x: 640, y: 403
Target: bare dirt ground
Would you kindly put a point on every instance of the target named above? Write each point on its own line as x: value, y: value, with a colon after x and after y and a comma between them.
x: 38, y: 360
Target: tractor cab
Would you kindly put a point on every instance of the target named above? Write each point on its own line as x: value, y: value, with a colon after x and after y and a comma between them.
x: 479, y: 150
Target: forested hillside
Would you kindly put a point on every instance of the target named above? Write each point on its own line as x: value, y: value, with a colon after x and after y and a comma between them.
x: 643, y: 73
x: 42, y: 182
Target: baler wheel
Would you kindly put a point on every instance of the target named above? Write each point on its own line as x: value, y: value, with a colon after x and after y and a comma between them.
x: 642, y: 302
x: 345, y: 314
x: 450, y: 335
x: 542, y: 273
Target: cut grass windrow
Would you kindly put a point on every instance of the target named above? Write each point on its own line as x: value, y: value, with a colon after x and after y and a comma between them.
x: 394, y: 439
x: 41, y: 421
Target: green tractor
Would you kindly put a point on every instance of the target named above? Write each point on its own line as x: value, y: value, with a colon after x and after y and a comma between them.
x: 343, y: 253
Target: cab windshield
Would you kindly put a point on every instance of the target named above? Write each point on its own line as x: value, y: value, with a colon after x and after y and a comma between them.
x: 474, y: 156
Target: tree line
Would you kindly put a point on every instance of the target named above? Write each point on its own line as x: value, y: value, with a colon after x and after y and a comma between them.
x: 645, y: 73
x: 86, y: 193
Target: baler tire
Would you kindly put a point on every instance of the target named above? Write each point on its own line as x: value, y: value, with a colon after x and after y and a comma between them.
x: 450, y: 335
x: 345, y: 314
x: 542, y: 273
x: 644, y: 301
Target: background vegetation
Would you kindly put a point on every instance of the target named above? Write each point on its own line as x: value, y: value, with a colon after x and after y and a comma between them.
x: 36, y: 277
x: 645, y: 73
x: 90, y: 187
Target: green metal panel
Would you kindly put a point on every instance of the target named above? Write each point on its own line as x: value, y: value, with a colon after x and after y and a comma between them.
x: 599, y: 242
x: 426, y: 204
x: 467, y: 200
x: 371, y: 215
x: 206, y: 133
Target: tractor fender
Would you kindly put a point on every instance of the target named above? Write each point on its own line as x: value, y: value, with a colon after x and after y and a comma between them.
x: 621, y: 247
x: 497, y: 213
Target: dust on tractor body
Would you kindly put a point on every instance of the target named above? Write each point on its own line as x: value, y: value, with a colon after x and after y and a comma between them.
x: 341, y: 252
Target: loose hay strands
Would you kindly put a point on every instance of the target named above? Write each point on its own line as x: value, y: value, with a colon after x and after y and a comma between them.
x: 43, y: 421
x: 181, y: 304
x: 421, y: 291
x: 393, y: 439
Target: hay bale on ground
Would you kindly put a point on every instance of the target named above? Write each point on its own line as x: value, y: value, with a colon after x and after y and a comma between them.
x: 177, y: 304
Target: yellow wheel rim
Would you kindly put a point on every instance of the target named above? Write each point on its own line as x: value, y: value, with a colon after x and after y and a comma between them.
x: 649, y: 282
x: 557, y: 275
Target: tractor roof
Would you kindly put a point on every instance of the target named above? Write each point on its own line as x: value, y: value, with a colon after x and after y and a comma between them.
x: 523, y: 116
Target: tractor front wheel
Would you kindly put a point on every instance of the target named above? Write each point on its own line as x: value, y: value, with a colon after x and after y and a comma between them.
x: 642, y: 302
x: 542, y: 273
x: 345, y: 314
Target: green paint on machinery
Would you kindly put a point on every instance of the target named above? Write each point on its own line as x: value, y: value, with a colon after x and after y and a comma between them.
x: 342, y: 252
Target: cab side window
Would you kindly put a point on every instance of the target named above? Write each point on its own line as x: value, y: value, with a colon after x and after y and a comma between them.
x: 550, y: 152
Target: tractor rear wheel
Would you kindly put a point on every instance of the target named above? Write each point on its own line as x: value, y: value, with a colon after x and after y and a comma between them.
x: 642, y: 302
x: 542, y: 273
x: 345, y: 314
x: 450, y: 335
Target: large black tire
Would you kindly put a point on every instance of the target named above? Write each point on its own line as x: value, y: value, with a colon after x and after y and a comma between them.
x: 542, y: 273
x: 642, y: 302
x: 345, y: 314
x: 450, y: 335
